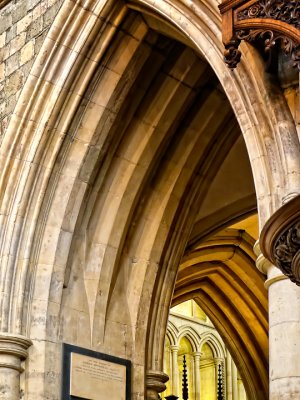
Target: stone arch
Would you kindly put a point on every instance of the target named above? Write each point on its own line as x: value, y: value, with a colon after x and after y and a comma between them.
x: 172, y: 333
x: 191, y: 334
x: 215, y: 344
x: 50, y: 137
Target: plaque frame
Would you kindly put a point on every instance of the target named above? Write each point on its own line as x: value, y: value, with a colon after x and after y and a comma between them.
x: 66, y: 364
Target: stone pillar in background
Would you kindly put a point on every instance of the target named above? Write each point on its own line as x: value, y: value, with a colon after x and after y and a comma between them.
x: 241, y: 389
x: 284, y: 331
x: 175, y: 372
x: 228, y: 376
x: 155, y: 384
x: 13, y: 349
x: 235, y: 392
x: 284, y: 336
x: 197, y: 377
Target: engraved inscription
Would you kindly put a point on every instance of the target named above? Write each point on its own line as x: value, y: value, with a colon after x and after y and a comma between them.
x: 96, y: 379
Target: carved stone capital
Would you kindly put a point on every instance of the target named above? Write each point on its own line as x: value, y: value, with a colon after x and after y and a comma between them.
x: 155, y: 383
x: 280, y: 239
x: 197, y: 354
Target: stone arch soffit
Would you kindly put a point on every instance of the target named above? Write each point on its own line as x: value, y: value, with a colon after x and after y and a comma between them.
x: 191, y: 334
x: 60, y: 41
x: 214, y: 343
x: 245, y: 90
x: 47, y: 105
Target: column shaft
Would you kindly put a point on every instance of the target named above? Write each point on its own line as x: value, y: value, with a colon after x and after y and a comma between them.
x: 234, y: 381
x: 284, y: 337
x: 175, y: 371
x: 197, y: 376
x: 228, y: 376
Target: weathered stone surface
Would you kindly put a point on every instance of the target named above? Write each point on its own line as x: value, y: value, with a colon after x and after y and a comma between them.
x: 17, y: 43
x: 115, y: 139
x: 27, y: 53
x: 14, y: 83
x: 22, y: 31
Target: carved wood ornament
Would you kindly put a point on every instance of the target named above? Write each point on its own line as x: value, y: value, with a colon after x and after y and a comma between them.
x: 280, y: 239
x: 269, y: 22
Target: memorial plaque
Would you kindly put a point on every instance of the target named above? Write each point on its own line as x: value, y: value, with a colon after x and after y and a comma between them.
x: 95, y: 379
x: 89, y: 375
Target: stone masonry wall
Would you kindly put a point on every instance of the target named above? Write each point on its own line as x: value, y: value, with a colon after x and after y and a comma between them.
x: 23, y: 26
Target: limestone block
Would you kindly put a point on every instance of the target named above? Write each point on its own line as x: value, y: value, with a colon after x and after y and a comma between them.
x: 31, y: 4
x: 5, y: 21
x: 50, y: 14
x: 4, y: 53
x: 24, y: 23
x: 13, y: 83
x: 285, y: 389
x: 2, y: 72
x: 36, y: 12
x: 17, y: 43
x: 12, y: 64
x: 2, y: 39
x: 27, y: 53
x: 11, y: 33
x: 2, y: 109
x: 34, y: 28
x: 279, y: 306
x: 19, y: 11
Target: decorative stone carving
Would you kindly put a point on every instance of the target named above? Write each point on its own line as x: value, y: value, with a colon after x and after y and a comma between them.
x: 269, y: 22
x: 155, y: 384
x: 280, y: 239
x: 287, y: 253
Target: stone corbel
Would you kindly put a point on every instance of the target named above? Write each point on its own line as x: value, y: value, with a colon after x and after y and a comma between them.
x: 155, y: 384
x: 280, y: 239
x: 269, y: 22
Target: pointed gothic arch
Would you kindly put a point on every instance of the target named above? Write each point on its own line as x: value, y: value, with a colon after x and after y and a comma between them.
x: 63, y: 176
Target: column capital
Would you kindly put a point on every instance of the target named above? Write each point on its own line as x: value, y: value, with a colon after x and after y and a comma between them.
x: 155, y: 383
x: 262, y: 263
x: 280, y: 239
x: 267, y: 268
x: 196, y: 354
x: 15, y: 346
x: 219, y: 360
x: 174, y: 347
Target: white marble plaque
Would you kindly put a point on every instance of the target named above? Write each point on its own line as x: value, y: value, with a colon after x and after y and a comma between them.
x: 95, y: 379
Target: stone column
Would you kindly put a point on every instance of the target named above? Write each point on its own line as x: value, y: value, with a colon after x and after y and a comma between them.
x: 284, y: 332
x: 235, y: 392
x: 13, y: 349
x: 197, y: 377
x: 228, y: 376
x: 175, y: 373
x: 155, y: 384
